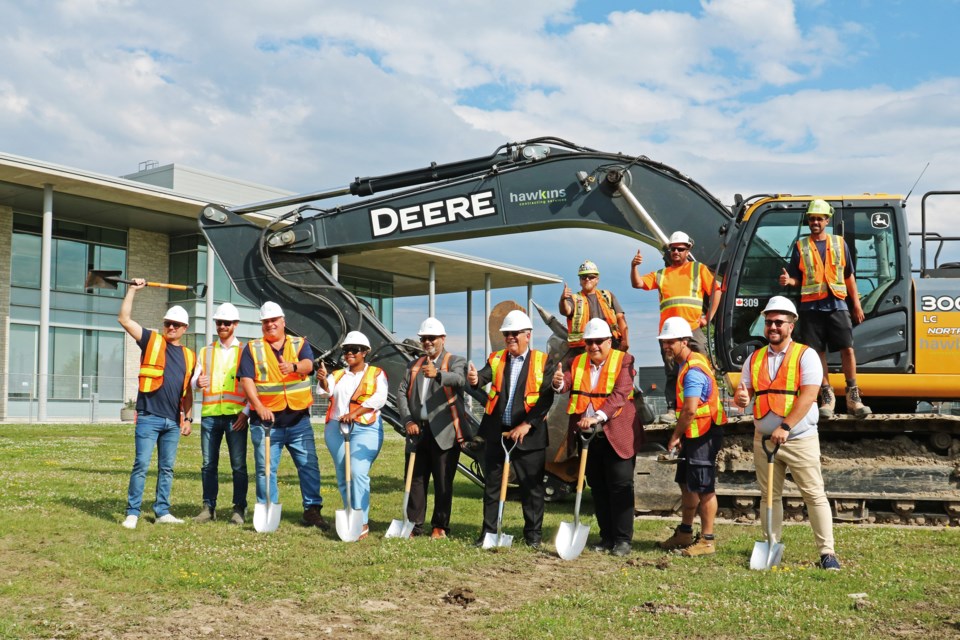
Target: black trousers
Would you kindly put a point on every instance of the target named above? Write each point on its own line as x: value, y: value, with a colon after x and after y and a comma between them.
x: 611, y: 482
x: 528, y: 467
x: 442, y: 465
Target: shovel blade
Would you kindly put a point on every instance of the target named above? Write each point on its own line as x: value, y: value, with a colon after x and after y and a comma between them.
x: 395, y: 530
x: 102, y: 279
x: 266, y: 517
x: 571, y: 540
x: 349, y: 524
x: 765, y: 556
x: 493, y: 540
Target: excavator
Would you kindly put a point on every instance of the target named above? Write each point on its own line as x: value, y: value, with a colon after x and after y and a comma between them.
x: 899, y: 464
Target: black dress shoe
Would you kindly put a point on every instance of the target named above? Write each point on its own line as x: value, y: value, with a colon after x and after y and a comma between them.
x: 478, y: 543
x: 621, y: 548
x: 602, y: 547
x: 533, y: 543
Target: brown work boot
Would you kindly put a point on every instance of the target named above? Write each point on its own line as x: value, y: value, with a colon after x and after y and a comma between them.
x: 828, y: 401
x: 438, y: 533
x: 312, y: 518
x: 207, y: 514
x: 678, y: 540
x: 855, y: 406
x: 702, y: 547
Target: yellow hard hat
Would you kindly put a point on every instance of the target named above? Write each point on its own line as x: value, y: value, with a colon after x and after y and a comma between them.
x: 588, y: 268
x: 819, y: 208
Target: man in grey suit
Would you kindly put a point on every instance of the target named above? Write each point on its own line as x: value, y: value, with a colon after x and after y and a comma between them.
x: 430, y: 400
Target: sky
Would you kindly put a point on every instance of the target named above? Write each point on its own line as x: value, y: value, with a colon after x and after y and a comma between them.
x: 744, y: 96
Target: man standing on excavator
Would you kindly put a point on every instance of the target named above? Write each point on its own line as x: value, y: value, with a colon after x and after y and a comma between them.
x: 820, y: 265
x: 683, y: 285
x: 591, y: 302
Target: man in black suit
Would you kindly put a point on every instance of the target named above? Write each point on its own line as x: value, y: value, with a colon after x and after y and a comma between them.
x: 518, y: 401
x: 430, y: 401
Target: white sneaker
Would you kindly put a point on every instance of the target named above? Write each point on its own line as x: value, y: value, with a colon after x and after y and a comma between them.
x: 130, y: 522
x: 169, y: 519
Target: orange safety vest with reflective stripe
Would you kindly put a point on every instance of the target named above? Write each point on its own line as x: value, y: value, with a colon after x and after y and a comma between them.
x: 531, y: 393
x: 577, y: 322
x: 680, y: 293
x: 224, y: 396
x: 276, y: 390
x: 153, y: 360
x: 776, y: 395
x: 821, y: 276
x: 451, y: 396
x: 366, y: 388
x: 708, y: 413
x: 581, y: 395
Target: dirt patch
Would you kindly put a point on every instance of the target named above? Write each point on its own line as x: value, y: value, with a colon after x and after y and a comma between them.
x: 460, y: 596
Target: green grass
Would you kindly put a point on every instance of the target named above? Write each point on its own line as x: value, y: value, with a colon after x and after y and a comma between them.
x: 68, y: 570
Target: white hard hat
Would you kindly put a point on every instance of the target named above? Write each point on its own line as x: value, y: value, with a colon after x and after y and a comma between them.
x: 674, y: 329
x: 782, y: 304
x: 678, y: 237
x: 588, y: 268
x: 227, y: 312
x: 597, y: 328
x: 177, y: 314
x: 270, y: 310
x: 516, y: 320
x: 431, y: 327
x: 356, y: 338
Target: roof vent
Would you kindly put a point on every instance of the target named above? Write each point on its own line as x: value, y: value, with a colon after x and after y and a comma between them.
x: 146, y: 165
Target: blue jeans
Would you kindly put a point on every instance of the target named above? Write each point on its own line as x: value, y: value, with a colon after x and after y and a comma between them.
x: 212, y: 431
x: 365, y: 443
x: 299, y: 441
x: 163, y: 433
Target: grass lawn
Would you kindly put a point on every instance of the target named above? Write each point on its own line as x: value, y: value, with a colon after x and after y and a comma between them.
x: 68, y: 570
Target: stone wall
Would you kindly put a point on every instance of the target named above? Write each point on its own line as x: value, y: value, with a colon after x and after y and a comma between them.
x: 148, y: 257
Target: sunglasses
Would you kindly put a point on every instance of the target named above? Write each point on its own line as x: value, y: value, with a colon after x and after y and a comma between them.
x: 588, y: 277
x: 595, y: 341
x: 775, y: 323
x: 677, y: 249
x: 353, y: 349
x: 170, y: 324
x: 429, y: 338
x: 224, y: 323
x: 816, y: 219
x: 511, y: 334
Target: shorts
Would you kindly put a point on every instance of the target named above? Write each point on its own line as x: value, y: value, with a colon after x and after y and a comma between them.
x: 825, y: 330
x: 698, y: 470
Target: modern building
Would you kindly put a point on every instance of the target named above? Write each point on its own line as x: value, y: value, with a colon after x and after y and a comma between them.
x: 65, y: 356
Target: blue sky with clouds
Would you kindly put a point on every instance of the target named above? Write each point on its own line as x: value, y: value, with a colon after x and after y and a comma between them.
x: 744, y: 96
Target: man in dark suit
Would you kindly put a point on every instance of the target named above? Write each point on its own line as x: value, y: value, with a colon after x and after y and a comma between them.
x: 518, y: 401
x: 600, y: 383
x: 430, y: 401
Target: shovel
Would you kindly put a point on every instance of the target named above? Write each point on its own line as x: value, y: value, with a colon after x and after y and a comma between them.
x: 572, y: 536
x: 110, y: 279
x: 349, y: 520
x: 767, y: 555
x: 266, y: 517
x: 403, y: 528
x: 500, y: 539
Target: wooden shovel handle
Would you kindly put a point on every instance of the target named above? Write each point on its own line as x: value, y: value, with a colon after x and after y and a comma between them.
x: 165, y: 285
x: 504, y: 480
x: 406, y: 485
x: 583, y: 469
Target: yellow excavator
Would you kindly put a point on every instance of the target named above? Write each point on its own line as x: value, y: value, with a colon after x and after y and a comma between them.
x: 901, y: 463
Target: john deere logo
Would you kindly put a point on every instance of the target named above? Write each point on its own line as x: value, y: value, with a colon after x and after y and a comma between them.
x: 386, y: 221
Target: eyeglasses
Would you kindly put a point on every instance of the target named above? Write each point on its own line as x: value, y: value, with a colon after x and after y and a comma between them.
x: 429, y: 338
x: 593, y: 342
x: 776, y: 323
x: 224, y: 323
x: 588, y: 277
x: 816, y: 219
x: 170, y: 324
x: 511, y: 334
x: 353, y: 349
x: 677, y: 249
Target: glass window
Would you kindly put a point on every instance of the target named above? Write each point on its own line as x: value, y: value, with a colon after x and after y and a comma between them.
x: 66, y: 362
x: 871, y: 236
x: 70, y: 265
x: 23, y: 361
x: 108, y: 374
x: 25, y: 260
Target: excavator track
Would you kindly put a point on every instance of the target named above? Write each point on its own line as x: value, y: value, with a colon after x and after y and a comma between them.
x: 887, y: 468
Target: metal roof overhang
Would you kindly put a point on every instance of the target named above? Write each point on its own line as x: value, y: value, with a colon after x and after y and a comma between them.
x: 115, y: 202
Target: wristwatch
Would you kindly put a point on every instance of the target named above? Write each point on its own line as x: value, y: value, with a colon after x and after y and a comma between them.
x: 785, y: 426
x: 188, y: 419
